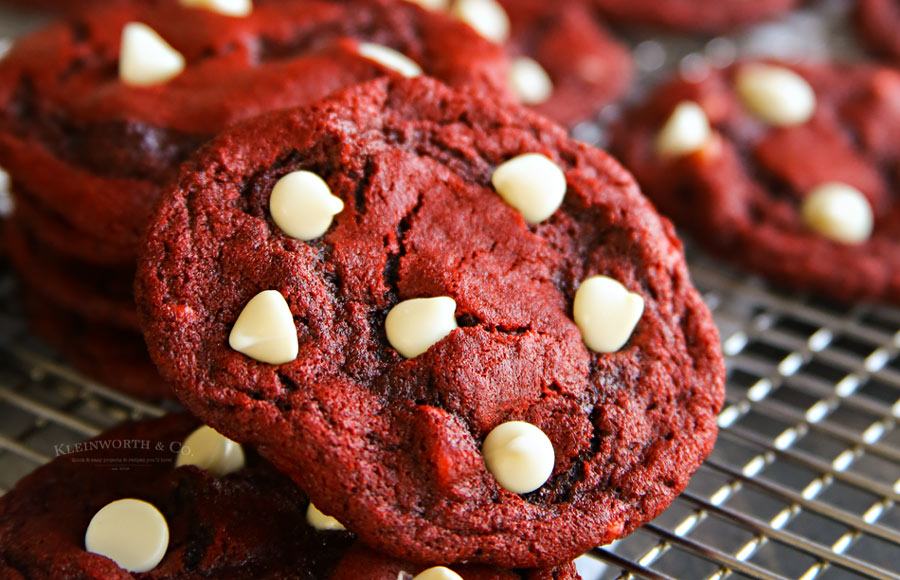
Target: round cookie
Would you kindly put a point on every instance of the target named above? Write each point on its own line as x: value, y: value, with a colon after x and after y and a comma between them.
x: 250, y: 523
x: 707, y: 16
x: 394, y: 444
x: 588, y: 67
x: 112, y: 356
x: 96, y: 149
x: 743, y: 191
x: 877, y: 22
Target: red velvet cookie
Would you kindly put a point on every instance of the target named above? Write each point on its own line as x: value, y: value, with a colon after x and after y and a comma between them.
x: 587, y: 66
x: 709, y: 16
x: 247, y: 523
x: 877, y: 22
x: 790, y: 171
x: 394, y: 443
x: 96, y: 149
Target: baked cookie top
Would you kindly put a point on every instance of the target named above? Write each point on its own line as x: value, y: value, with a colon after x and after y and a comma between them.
x: 790, y: 171
x: 396, y: 443
x: 226, y: 514
x: 98, y: 111
x: 708, y: 16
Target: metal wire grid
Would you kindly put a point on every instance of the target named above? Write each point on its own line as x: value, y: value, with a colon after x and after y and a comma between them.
x: 804, y: 481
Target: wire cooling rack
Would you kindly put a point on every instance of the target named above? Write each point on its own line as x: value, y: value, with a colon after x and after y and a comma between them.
x: 804, y: 481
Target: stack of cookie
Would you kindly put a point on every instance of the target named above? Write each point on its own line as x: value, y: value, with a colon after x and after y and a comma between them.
x: 98, y: 112
x: 431, y: 335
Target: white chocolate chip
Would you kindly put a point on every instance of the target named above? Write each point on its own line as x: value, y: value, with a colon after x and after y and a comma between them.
x: 606, y: 313
x: 775, y: 94
x: 226, y: 7
x: 130, y: 532
x: 413, y: 326
x: 265, y: 330
x: 437, y: 573
x: 519, y: 455
x: 839, y: 212
x: 436, y: 5
x: 390, y: 58
x: 320, y: 521
x: 687, y: 131
x: 303, y: 206
x: 209, y: 450
x: 487, y: 17
x: 530, y: 81
x: 145, y: 58
x: 532, y: 184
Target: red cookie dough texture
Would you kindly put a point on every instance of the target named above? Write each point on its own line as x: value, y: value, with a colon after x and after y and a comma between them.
x: 393, y: 445
x: 250, y: 523
x: 877, y: 24
x: 742, y: 195
x: 708, y: 16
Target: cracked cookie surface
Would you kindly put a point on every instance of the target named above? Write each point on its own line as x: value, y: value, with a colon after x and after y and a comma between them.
x: 390, y: 446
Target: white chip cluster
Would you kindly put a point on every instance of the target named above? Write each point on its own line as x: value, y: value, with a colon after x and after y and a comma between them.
x: 322, y: 522
x: 533, y: 184
x: 775, y: 94
x: 265, y: 330
x: 130, y: 532
x: 414, y: 326
x: 519, y: 455
x: 487, y: 17
x: 207, y: 449
x: 390, y: 59
x: 437, y: 573
x: 432, y: 4
x: 527, y: 78
x: 145, y: 58
x: 686, y: 131
x: 529, y: 81
x: 606, y: 313
x: 302, y: 205
x: 839, y: 212
x: 226, y: 7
